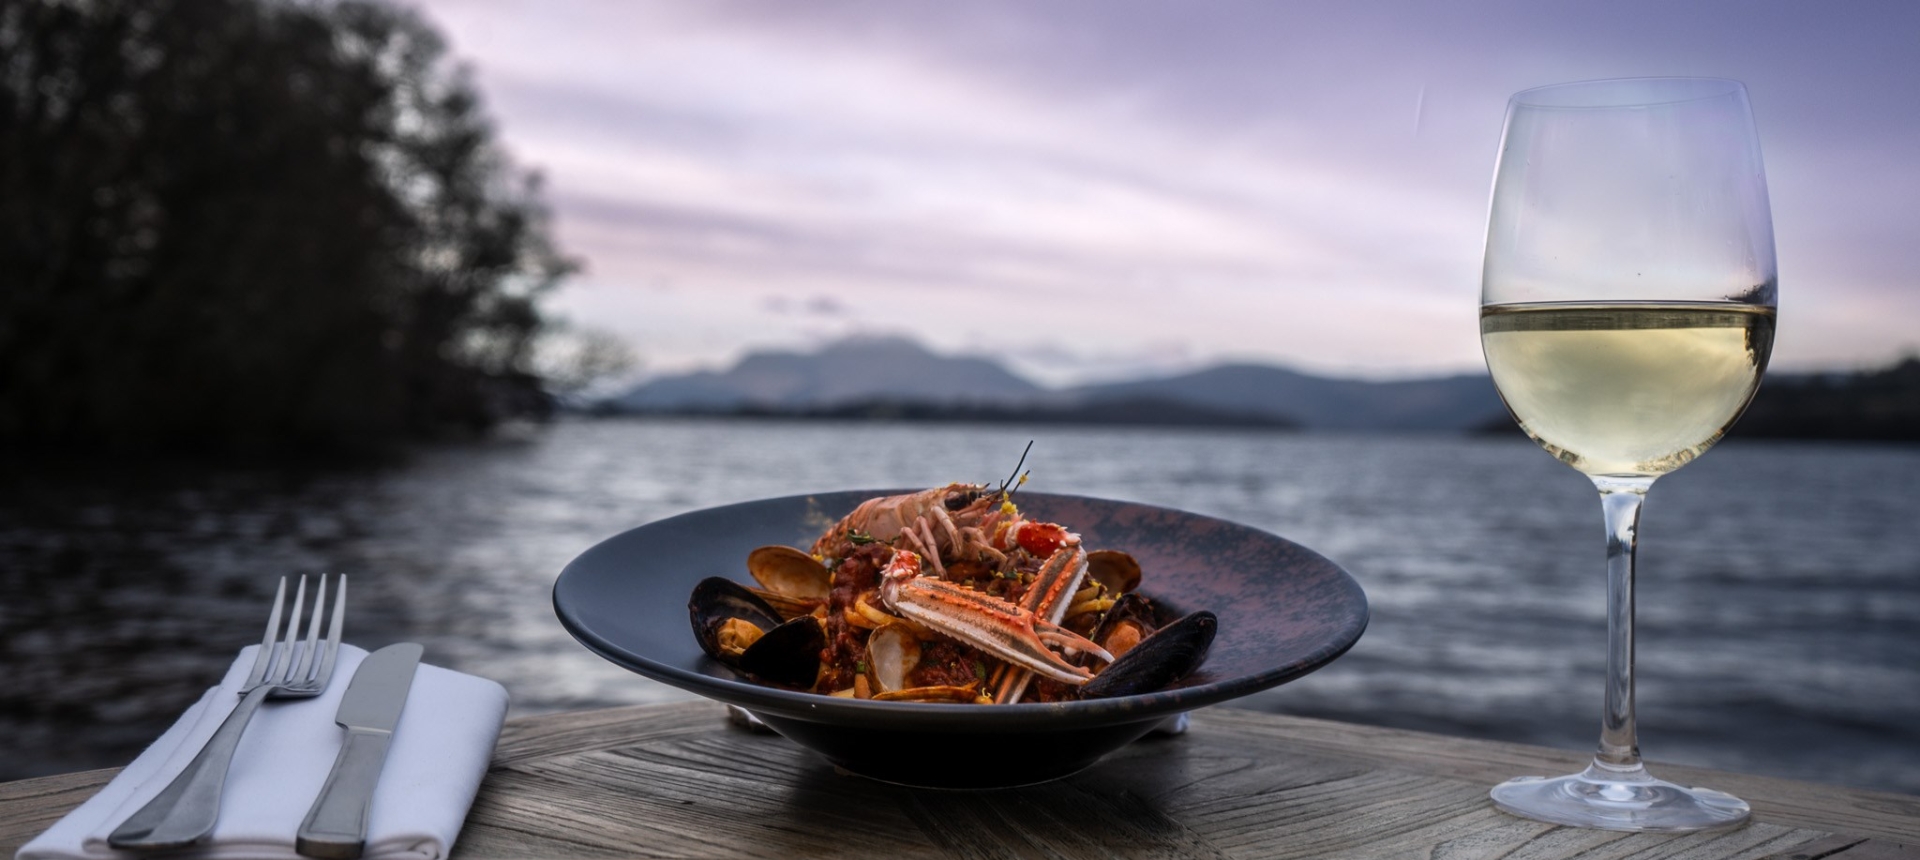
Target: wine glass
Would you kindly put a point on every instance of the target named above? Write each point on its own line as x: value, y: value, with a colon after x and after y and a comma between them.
x: 1626, y: 313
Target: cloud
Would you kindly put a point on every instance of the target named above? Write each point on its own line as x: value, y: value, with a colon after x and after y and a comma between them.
x: 826, y: 306
x: 819, y: 305
x: 1052, y: 365
x: 1244, y: 180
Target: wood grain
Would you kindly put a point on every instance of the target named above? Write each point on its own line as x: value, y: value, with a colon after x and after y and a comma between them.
x: 676, y: 781
x: 1893, y: 817
x: 29, y: 806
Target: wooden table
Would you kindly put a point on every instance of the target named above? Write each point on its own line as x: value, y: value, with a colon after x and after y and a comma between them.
x: 676, y: 781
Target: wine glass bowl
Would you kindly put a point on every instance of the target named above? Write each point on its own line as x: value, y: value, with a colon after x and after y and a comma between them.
x: 1627, y: 314
x: 1629, y: 190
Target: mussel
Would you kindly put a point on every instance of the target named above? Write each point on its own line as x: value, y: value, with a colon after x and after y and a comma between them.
x: 1161, y: 659
x: 737, y: 628
x: 788, y: 654
x: 1127, y: 623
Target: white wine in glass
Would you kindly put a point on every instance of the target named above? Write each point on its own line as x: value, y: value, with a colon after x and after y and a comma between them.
x: 1626, y: 389
x: 1626, y: 313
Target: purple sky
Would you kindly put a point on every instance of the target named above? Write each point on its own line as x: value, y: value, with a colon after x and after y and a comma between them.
x: 1097, y: 189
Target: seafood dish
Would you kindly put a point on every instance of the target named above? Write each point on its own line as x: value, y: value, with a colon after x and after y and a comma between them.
x: 947, y: 595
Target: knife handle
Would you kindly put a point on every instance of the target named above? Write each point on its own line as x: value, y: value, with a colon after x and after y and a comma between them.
x: 336, y: 826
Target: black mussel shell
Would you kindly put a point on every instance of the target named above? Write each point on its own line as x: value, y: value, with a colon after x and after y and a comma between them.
x: 1159, y: 660
x: 717, y: 599
x: 788, y: 654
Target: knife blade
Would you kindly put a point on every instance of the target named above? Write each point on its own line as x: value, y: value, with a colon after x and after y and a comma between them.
x: 336, y: 826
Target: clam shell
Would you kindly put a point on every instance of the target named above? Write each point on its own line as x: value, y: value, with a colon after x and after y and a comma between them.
x: 1116, y: 570
x: 892, y: 652
x: 789, y: 572
x: 788, y: 607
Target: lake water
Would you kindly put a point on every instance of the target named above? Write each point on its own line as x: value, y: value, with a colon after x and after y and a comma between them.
x: 1779, y: 590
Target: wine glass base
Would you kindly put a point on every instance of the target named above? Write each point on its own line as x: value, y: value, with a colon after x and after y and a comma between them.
x: 1618, y: 799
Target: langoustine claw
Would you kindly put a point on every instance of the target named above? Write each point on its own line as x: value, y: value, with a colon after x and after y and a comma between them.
x: 1052, y: 591
x: 1005, y: 630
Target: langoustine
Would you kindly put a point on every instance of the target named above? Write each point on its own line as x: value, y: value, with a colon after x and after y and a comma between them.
x: 950, y: 594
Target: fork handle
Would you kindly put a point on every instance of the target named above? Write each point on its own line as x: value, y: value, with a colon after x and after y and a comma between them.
x: 184, y: 812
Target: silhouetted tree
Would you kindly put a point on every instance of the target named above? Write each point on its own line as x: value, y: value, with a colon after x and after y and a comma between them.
x: 1876, y: 405
x: 254, y: 226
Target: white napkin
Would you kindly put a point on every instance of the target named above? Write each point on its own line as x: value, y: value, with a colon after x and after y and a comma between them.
x: 439, y: 754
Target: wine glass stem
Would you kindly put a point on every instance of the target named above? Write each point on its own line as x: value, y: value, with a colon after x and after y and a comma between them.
x: 1620, y: 499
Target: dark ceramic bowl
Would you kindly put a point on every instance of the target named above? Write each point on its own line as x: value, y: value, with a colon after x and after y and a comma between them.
x: 1284, y: 611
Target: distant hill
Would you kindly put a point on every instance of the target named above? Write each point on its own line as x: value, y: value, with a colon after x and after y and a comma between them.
x: 898, y: 379
x: 849, y: 371
x: 1131, y: 412
x: 1444, y: 403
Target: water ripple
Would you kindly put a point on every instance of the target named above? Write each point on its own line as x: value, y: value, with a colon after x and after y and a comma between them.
x: 1779, y: 597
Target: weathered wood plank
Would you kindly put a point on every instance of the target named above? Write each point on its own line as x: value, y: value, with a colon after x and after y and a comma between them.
x: 1293, y: 803
x: 1851, y: 848
x: 1820, y: 849
x: 1874, y: 849
x: 602, y: 728
x: 480, y: 839
x: 29, y: 806
x: 1890, y: 817
x: 1207, y: 794
x: 720, y: 792
x: 675, y: 781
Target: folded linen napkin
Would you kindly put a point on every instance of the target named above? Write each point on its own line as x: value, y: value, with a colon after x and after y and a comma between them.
x: 440, y: 752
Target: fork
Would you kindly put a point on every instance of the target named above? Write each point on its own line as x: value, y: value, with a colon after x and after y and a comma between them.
x: 184, y: 812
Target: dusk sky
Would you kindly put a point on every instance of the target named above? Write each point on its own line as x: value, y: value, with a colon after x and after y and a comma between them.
x: 1091, y: 190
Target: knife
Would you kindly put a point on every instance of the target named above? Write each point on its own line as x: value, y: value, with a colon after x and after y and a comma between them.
x: 336, y: 826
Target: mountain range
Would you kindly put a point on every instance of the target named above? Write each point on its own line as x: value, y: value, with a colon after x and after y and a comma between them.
x: 898, y: 378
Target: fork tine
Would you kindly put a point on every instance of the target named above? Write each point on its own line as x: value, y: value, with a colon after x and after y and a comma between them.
x: 283, y: 661
x: 334, y: 624
x: 265, y: 658
x: 299, y: 674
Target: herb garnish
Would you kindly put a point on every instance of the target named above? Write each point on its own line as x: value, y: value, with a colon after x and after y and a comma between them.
x: 1009, y: 482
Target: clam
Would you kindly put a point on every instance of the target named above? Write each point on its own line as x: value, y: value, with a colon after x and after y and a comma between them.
x: 1159, y: 660
x: 787, y: 607
x: 737, y: 628
x: 892, y: 652
x: 1116, y: 570
x: 790, y: 573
